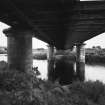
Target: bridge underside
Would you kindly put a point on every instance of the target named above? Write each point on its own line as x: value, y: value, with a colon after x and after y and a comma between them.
x: 58, y: 22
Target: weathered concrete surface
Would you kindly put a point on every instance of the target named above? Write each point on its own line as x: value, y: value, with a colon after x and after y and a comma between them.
x: 80, y: 62
x: 19, y: 50
x: 50, y: 58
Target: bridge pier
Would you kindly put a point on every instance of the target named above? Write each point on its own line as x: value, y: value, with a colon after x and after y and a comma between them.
x: 19, y: 49
x: 50, y: 58
x: 80, y: 61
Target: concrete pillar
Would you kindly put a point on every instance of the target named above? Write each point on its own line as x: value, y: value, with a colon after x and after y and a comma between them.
x: 19, y: 49
x: 80, y: 61
x: 50, y: 58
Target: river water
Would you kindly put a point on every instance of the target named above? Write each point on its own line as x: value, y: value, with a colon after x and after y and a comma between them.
x: 92, y: 72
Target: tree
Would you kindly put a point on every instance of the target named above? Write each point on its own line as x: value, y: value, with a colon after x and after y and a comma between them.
x: 93, y: 47
x: 98, y: 47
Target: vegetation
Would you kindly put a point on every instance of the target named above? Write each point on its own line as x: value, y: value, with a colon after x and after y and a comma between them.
x: 40, y: 56
x: 92, y: 56
x: 95, y: 55
x: 19, y: 88
x: 3, y: 50
x: 95, y: 59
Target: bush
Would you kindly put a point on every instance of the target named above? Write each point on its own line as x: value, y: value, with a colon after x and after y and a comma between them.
x: 3, y: 66
x: 16, y: 88
x: 93, y: 59
x: 40, y: 56
x: 91, y: 92
x: 19, y: 88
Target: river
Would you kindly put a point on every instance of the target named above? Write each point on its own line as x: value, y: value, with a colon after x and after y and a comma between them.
x: 92, y: 72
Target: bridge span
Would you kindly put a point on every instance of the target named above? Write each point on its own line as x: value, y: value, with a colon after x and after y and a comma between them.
x: 60, y: 23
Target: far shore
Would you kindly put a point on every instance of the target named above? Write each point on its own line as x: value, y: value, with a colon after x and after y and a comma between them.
x: 89, y: 58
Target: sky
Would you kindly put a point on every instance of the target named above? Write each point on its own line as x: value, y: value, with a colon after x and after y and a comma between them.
x: 96, y: 41
x: 3, y: 39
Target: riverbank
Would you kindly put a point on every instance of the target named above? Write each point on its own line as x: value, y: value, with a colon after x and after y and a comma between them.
x: 89, y: 59
x: 95, y: 59
x: 40, y: 56
x: 92, y: 56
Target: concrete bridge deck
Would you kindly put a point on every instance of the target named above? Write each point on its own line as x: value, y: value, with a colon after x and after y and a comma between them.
x: 60, y: 23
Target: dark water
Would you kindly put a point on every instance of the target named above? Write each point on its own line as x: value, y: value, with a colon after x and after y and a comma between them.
x: 92, y: 72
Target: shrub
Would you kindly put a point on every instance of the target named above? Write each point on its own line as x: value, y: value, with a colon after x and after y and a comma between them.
x: 91, y: 92
x: 19, y: 88
x: 3, y: 66
x: 40, y: 56
x: 91, y: 59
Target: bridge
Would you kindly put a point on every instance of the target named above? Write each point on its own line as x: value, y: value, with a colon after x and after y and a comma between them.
x: 60, y: 23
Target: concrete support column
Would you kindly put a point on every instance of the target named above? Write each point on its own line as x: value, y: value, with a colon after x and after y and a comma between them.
x: 19, y: 49
x: 50, y: 58
x: 80, y: 61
